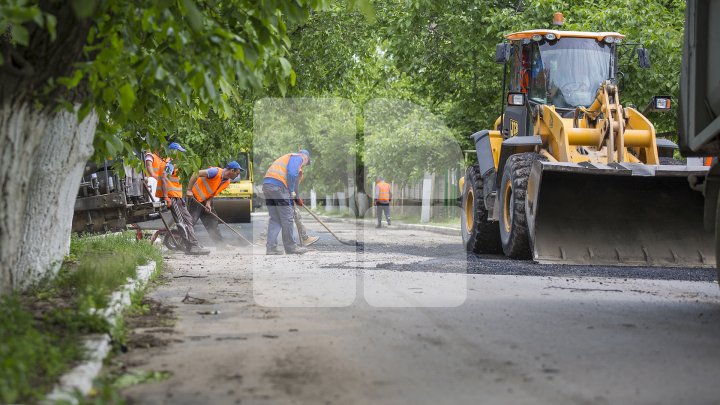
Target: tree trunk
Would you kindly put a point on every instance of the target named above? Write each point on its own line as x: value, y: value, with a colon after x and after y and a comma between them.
x: 40, y: 171
x: 21, y: 129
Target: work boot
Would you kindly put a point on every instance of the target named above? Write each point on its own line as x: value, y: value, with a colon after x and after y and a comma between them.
x: 197, y: 251
x: 296, y: 250
x: 377, y: 226
x: 274, y: 251
x: 310, y: 240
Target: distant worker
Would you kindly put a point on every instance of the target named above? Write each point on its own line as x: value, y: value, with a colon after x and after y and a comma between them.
x: 383, y: 198
x: 279, y: 186
x: 201, y: 190
x: 170, y: 190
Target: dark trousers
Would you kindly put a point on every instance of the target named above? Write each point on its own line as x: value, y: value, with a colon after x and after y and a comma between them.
x: 182, y: 216
x: 197, y: 211
x: 298, y: 222
x: 381, y: 208
x: 281, y: 210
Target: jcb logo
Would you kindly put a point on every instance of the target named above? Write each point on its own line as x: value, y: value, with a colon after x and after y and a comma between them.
x: 514, y: 128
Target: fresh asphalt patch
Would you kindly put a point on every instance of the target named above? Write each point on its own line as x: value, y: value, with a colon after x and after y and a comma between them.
x: 451, y: 258
x: 448, y: 258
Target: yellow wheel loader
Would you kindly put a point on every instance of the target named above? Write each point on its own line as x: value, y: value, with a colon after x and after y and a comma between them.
x: 570, y: 175
x: 236, y: 203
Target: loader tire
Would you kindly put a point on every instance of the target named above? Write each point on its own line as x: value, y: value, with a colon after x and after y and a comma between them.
x: 479, y: 235
x: 514, y: 234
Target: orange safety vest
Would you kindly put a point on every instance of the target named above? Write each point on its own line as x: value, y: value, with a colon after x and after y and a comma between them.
x: 174, y: 188
x: 278, y: 170
x: 205, y: 188
x: 383, y: 194
x: 157, y: 166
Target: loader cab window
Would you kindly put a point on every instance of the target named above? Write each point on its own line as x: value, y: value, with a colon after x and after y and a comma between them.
x: 568, y: 72
x: 538, y: 78
x: 519, y: 66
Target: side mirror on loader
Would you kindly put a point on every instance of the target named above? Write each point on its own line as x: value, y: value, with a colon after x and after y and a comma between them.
x: 502, y: 53
x: 643, y: 58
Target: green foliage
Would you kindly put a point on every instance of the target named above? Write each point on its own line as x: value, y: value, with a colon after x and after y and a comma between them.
x: 448, y: 48
x: 40, y: 330
x: 140, y: 377
x: 174, y: 69
x: 403, y: 141
x: 32, y: 356
x: 191, y: 70
x: 102, y: 265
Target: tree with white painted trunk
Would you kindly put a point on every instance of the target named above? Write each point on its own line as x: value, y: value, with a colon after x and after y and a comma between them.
x: 116, y: 75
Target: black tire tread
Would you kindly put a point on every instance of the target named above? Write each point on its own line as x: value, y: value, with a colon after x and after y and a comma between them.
x: 485, y: 237
x: 519, y: 165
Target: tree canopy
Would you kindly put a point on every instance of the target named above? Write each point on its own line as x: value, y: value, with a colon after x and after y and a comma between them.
x: 192, y: 70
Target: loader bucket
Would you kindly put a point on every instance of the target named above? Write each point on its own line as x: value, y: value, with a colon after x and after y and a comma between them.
x: 624, y: 214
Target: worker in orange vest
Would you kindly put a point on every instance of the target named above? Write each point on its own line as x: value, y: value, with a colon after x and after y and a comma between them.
x: 201, y: 190
x: 383, y: 198
x: 280, y: 189
x: 153, y: 164
x: 170, y: 191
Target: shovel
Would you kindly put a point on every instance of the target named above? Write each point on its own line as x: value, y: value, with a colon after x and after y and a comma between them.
x: 361, y: 245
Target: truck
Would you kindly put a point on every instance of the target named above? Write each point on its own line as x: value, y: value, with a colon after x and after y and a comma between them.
x: 699, y: 115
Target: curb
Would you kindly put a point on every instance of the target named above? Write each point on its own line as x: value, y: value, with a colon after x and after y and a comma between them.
x: 80, y: 379
x: 445, y: 230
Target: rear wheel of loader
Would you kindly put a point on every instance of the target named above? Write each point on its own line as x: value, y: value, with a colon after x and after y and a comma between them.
x: 513, y: 191
x: 479, y: 235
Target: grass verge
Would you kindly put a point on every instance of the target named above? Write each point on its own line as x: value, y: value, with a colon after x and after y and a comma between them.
x: 40, y: 328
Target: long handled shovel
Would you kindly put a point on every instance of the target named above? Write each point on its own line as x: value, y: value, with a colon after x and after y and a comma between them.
x: 226, y: 224
x: 167, y: 228
x: 344, y: 242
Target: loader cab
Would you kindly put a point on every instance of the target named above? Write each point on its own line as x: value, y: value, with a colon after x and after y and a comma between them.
x: 559, y: 68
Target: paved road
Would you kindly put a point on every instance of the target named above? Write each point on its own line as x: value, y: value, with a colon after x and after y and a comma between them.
x: 412, y: 319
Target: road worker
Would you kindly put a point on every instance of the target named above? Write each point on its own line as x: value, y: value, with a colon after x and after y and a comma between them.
x: 153, y: 163
x: 280, y: 189
x: 383, y: 198
x: 170, y: 190
x: 201, y: 190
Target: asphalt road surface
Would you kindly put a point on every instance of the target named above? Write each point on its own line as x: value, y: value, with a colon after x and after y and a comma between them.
x: 411, y: 319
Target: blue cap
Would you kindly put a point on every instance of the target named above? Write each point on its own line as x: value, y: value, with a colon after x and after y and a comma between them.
x: 176, y: 146
x: 306, y: 153
x: 234, y: 165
